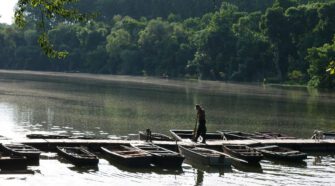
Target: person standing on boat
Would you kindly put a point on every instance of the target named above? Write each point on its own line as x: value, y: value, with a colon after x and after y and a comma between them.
x: 201, y: 120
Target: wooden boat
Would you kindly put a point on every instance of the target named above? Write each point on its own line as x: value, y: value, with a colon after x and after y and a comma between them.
x: 127, y: 155
x: 32, y: 154
x: 161, y: 156
x: 328, y: 135
x: 243, y: 152
x: 62, y: 136
x: 180, y: 135
x: 204, y: 156
x: 280, y: 153
x: 155, y: 136
x: 236, y: 135
x: 78, y: 156
x: 274, y: 135
x: 47, y: 136
x: 12, y: 162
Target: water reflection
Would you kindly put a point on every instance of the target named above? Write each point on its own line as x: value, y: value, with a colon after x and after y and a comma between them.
x: 117, y: 109
x: 84, y: 169
x: 200, y: 177
x: 317, y: 160
x: 151, y: 169
x: 79, y: 169
x: 220, y: 170
x: 298, y: 164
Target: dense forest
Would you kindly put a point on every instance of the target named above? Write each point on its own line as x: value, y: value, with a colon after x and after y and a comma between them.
x: 275, y: 41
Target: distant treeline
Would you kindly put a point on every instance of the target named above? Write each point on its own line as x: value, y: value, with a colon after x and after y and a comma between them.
x: 163, y: 8
x: 290, y: 41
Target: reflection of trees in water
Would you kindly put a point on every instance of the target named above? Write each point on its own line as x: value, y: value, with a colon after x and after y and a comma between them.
x: 99, y: 107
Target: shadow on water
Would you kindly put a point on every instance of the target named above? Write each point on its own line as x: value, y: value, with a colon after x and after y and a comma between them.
x: 79, y: 169
x: 148, y: 169
x: 322, y: 154
x: 151, y: 169
x: 298, y: 164
x: 246, y: 167
x: 17, y: 172
x: 84, y: 169
x: 319, y: 158
x: 200, y: 170
x: 209, y: 169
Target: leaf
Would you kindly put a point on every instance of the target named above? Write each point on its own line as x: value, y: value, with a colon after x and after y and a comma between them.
x: 331, y: 68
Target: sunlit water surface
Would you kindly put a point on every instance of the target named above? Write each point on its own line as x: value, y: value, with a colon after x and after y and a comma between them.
x: 113, y: 106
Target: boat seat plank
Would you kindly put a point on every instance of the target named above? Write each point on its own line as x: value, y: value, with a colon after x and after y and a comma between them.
x: 290, y: 152
x: 266, y: 147
x: 242, y: 150
x: 159, y: 151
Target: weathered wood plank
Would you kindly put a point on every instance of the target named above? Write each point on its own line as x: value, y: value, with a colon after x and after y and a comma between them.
x: 310, y: 145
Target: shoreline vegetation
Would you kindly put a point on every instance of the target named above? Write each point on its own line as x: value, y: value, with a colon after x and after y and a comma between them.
x: 282, y: 41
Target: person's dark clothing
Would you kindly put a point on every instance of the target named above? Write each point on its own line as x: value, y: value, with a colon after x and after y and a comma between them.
x: 201, y: 131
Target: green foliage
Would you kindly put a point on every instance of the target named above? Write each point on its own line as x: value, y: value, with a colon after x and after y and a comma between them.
x: 231, y: 40
x: 47, y: 47
x: 48, y: 9
x: 296, y: 76
x: 162, y: 43
x: 321, y: 60
x: 331, y: 68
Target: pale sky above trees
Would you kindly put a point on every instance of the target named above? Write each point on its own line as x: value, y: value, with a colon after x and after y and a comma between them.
x: 7, y: 11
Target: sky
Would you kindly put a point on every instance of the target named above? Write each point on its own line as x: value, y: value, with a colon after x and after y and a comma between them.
x: 7, y: 11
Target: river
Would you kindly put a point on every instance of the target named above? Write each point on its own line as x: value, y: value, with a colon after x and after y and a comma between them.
x: 114, y: 106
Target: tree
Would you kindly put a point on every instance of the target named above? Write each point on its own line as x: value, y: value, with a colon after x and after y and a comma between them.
x: 253, y: 52
x: 322, y: 59
x: 290, y: 40
x: 216, y: 45
x: 160, y: 43
x: 275, y: 26
x: 49, y: 10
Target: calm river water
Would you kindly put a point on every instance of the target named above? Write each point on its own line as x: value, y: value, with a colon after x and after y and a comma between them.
x: 113, y: 106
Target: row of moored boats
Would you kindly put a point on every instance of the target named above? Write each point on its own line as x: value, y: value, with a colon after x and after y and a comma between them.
x: 149, y: 154
x: 19, y: 156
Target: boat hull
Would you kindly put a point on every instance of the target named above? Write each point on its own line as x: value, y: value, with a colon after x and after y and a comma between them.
x: 13, y: 162
x: 82, y: 158
x: 212, y: 160
x: 281, y: 154
x: 243, y: 152
x: 168, y: 161
x: 292, y: 158
x: 241, y: 136
x: 127, y: 157
x: 32, y: 154
x: 155, y: 136
x: 160, y: 156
